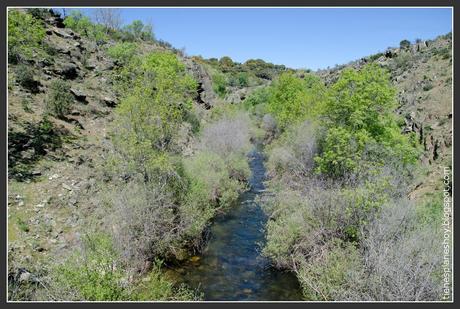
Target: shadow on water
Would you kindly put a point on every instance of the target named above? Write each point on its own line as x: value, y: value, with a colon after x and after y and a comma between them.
x: 232, y: 267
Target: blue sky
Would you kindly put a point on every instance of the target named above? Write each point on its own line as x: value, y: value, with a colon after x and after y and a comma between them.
x: 296, y: 37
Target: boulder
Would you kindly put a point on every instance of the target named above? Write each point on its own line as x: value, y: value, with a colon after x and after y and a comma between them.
x: 79, y: 95
x: 68, y: 71
x: 109, y: 101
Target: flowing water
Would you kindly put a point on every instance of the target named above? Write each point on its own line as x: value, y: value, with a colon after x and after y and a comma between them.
x: 232, y: 267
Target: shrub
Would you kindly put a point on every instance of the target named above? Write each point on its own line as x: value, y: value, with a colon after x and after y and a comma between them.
x: 122, y: 52
x: 25, y: 35
x: 39, y: 13
x: 83, y: 25
x: 404, y: 44
x: 227, y: 136
x: 243, y: 79
x: 25, y: 77
x: 402, y: 257
x: 60, y: 100
x: 294, y: 99
x: 137, y: 30
x: 143, y: 222
x: 150, y: 115
x: 335, y: 272
x: 91, y: 275
x: 259, y: 97
x: 94, y: 273
x: 294, y: 151
x: 219, y: 84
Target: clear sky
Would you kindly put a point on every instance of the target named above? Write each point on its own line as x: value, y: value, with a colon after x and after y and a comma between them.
x: 296, y: 37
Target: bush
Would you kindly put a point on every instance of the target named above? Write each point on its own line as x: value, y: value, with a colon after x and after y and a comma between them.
x: 404, y: 44
x: 25, y: 35
x: 147, y: 119
x: 60, y: 100
x: 122, y: 52
x: 95, y: 274
x: 25, y: 77
x: 358, y: 112
x: 227, y: 136
x: 219, y: 84
x: 401, y: 257
x: 143, y: 222
x: 294, y: 99
x: 91, y: 275
x: 137, y: 30
x: 293, y: 152
x: 83, y: 25
x: 258, y: 97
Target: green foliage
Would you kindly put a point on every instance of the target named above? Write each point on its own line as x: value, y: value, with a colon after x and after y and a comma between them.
x: 122, y: 52
x: 93, y: 275
x: 25, y: 35
x: 219, y: 84
x: 23, y: 226
x: 156, y: 287
x: 321, y: 280
x: 226, y: 64
x: 83, y: 25
x: 149, y: 116
x: 258, y: 97
x: 262, y: 69
x: 358, y: 112
x: 243, y: 79
x: 138, y: 30
x: 60, y: 100
x: 25, y: 78
x: 294, y: 99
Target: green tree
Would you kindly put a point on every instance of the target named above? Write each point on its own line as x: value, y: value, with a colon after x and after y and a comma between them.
x: 25, y: 35
x: 138, y: 30
x: 294, y: 99
x: 148, y: 117
x: 83, y: 25
x: 404, y: 44
x: 360, y: 111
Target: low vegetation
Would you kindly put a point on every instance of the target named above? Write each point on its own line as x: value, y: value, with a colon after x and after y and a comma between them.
x: 339, y: 178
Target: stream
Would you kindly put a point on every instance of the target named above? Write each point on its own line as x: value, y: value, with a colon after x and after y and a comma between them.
x: 231, y: 267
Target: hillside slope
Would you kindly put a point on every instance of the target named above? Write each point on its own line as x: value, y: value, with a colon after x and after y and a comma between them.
x: 422, y: 74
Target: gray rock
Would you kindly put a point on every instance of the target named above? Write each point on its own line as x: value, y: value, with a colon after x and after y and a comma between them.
x: 24, y: 277
x: 110, y: 102
x: 79, y: 95
x: 67, y: 187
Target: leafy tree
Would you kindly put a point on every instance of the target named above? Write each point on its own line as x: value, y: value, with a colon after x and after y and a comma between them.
x: 359, y: 112
x: 226, y: 64
x: 149, y: 116
x: 404, y: 44
x: 294, y: 99
x: 83, y: 25
x: 25, y: 35
x: 138, y: 30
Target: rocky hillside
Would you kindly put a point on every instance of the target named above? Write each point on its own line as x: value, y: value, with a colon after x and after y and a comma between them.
x: 422, y: 73
x: 56, y: 179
